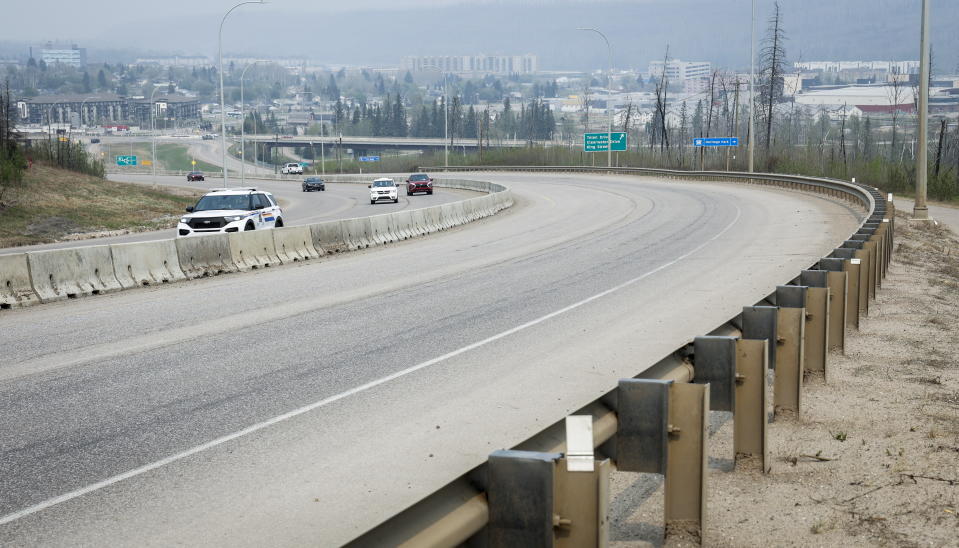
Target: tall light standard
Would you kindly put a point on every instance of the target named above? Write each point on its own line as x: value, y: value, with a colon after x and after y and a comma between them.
x: 243, y: 127
x: 920, y: 210
x: 446, y: 117
x: 609, y: 89
x: 219, y: 55
x: 752, y: 90
x: 153, y: 133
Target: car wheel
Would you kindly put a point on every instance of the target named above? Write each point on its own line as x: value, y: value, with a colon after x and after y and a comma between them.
x: 279, y: 223
x: 249, y: 226
x: 430, y: 192
x: 372, y: 202
x: 395, y: 200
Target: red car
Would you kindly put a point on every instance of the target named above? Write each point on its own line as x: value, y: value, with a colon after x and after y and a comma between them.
x: 194, y: 176
x: 419, y: 182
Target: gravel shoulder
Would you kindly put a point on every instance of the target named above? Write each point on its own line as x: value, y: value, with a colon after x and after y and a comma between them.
x: 874, y: 459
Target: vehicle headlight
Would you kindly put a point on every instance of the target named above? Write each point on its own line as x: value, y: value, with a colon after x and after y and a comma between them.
x: 184, y: 220
x: 232, y: 218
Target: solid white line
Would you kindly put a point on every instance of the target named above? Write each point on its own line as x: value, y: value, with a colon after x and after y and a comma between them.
x: 355, y: 390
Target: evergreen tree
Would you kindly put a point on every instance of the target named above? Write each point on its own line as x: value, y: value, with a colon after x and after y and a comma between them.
x: 86, y: 82
x: 399, y: 123
x: 408, y: 78
x: 101, y: 79
x: 332, y: 90
x: 470, y: 127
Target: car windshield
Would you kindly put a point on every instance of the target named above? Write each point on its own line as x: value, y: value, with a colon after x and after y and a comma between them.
x: 419, y: 177
x: 383, y: 183
x: 224, y: 201
x: 313, y: 180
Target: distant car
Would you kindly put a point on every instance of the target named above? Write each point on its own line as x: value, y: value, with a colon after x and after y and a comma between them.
x: 94, y: 140
x: 384, y: 189
x: 195, y: 176
x: 231, y: 210
x: 292, y: 168
x: 313, y: 183
x: 419, y: 182
x: 208, y: 137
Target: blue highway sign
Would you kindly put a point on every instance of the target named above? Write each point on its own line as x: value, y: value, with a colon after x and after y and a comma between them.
x: 369, y: 158
x: 716, y: 142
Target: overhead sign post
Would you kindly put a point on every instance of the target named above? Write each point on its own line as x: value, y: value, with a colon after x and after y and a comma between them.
x: 599, y: 142
x: 369, y: 158
x: 126, y: 160
x: 716, y: 142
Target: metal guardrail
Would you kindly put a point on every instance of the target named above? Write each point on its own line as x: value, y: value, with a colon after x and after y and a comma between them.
x: 657, y: 421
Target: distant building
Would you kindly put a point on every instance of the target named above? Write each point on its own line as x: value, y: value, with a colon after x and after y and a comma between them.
x: 892, y: 67
x: 681, y: 71
x: 104, y: 108
x: 176, y: 61
x: 74, y: 56
x: 476, y: 64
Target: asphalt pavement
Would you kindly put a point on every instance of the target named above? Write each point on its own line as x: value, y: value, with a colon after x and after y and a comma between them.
x: 305, y: 403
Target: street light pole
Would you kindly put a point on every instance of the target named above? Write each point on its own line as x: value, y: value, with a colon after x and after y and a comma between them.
x: 243, y: 126
x: 920, y: 210
x: 609, y: 89
x: 153, y: 133
x: 220, y: 70
x: 752, y: 90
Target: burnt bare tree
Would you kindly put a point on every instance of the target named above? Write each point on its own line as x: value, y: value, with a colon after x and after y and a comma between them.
x: 12, y: 162
x: 772, y: 67
x: 661, y: 105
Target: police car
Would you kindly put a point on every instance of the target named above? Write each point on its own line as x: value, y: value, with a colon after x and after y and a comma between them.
x: 231, y: 210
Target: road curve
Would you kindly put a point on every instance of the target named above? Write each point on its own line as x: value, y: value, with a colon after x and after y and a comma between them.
x: 303, y: 404
x: 338, y: 201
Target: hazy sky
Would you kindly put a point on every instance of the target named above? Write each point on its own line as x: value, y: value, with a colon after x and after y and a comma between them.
x: 380, y: 32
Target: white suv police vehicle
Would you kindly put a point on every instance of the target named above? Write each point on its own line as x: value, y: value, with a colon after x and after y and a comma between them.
x: 231, y: 210
x: 384, y: 189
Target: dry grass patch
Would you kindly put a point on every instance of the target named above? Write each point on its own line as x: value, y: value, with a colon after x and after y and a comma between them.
x: 54, y: 204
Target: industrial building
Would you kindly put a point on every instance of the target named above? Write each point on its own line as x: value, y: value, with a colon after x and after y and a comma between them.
x: 475, y: 64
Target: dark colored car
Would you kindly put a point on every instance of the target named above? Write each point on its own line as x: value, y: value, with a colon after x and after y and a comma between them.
x: 419, y: 182
x: 313, y: 183
x: 94, y: 140
x: 195, y: 176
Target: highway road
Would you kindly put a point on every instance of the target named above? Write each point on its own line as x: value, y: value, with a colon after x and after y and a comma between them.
x: 300, y: 405
x: 338, y: 201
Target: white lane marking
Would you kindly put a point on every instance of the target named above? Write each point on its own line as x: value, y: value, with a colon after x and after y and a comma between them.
x: 355, y: 390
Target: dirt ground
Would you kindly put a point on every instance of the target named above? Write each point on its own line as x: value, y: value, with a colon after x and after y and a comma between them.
x: 874, y: 458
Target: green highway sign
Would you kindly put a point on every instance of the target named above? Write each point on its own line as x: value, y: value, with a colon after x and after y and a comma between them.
x: 126, y: 160
x: 599, y: 142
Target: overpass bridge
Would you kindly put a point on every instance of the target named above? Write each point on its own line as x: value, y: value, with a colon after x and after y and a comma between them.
x: 363, y: 145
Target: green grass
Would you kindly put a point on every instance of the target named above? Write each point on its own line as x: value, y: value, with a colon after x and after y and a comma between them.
x: 52, y: 203
x: 170, y: 156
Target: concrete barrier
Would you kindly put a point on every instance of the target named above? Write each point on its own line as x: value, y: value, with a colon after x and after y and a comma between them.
x: 15, y: 287
x: 328, y: 237
x: 403, y: 224
x: 206, y: 255
x: 356, y: 232
x: 419, y: 224
x: 68, y: 273
x: 380, y: 230
x: 253, y: 249
x: 146, y: 263
x: 294, y: 243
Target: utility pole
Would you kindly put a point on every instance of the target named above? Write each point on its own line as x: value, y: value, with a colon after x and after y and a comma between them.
x: 752, y: 91
x: 735, y: 121
x: 921, y: 211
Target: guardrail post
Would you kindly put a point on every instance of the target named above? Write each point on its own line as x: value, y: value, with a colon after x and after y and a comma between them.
x: 817, y: 319
x: 870, y: 247
x: 662, y: 430
x: 759, y: 322
x: 547, y: 500
x: 838, y: 282
x: 521, y: 491
x: 736, y: 371
x: 790, y: 329
x: 857, y: 260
